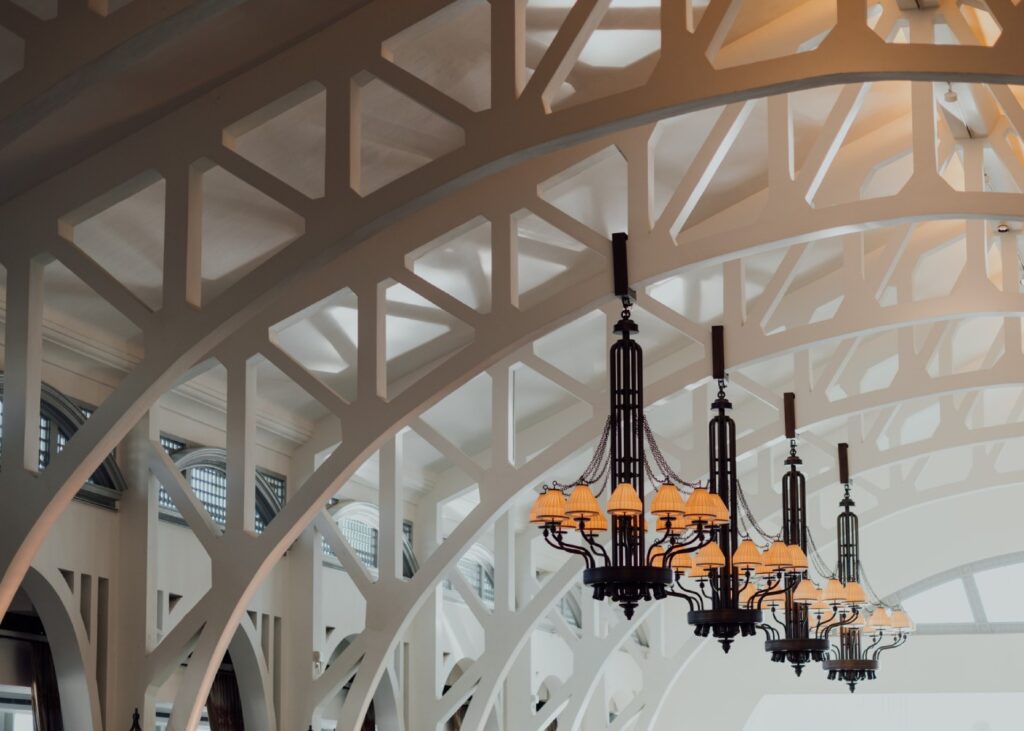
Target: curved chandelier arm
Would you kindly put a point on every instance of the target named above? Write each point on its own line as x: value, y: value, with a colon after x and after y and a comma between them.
x: 825, y: 624
x: 854, y: 615
x: 873, y: 645
x: 770, y: 632
x: 708, y: 591
x: 695, y: 596
x: 694, y: 604
x: 899, y: 641
x: 770, y: 590
x: 781, y: 621
x: 596, y: 546
x: 554, y: 539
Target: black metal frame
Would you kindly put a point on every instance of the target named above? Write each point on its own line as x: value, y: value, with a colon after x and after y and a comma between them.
x: 850, y: 661
x: 796, y: 645
x: 626, y: 572
x: 724, y: 619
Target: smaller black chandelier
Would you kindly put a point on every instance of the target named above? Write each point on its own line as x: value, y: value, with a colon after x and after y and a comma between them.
x: 790, y: 636
x: 725, y: 603
x: 628, y: 570
x: 861, y: 634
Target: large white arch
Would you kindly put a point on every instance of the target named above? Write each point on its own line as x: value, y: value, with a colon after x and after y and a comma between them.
x: 339, y: 249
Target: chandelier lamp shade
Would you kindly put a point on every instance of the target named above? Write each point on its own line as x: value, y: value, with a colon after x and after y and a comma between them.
x: 858, y: 633
x: 791, y: 638
x: 622, y: 562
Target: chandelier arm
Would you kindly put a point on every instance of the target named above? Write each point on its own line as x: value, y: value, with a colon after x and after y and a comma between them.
x: 873, y: 645
x: 596, y: 547
x: 770, y: 633
x: 854, y: 615
x: 770, y: 590
x: 695, y: 595
x: 747, y: 574
x: 555, y: 541
x: 775, y: 615
x: 708, y: 596
x: 899, y: 641
x: 825, y: 624
x: 694, y: 605
x: 679, y: 549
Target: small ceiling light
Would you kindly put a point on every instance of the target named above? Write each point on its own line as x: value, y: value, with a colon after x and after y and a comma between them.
x: 951, y: 96
x: 1003, y: 227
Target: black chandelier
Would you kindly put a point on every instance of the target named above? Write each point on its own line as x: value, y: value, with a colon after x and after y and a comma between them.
x: 725, y: 603
x: 861, y: 635
x: 628, y: 570
x: 790, y: 635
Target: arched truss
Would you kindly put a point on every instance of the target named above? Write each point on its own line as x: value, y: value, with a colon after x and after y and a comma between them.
x: 343, y: 246
x: 965, y: 574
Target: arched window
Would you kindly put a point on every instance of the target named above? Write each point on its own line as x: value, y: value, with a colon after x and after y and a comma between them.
x: 59, y: 418
x: 477, y: 566
x: 205, y: 469
x: 359, y: 523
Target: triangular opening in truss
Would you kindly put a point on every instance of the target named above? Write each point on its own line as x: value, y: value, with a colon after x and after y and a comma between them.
x: 323, y: 340
x: 396, y: 134
x: 287, y: 138
x: 418, y: 336
x: 123, y: 232
x: 242, y: 227
x: 451, y: 51
x: 541, y: 407
x: 459, y: 263
x: 549, y: 260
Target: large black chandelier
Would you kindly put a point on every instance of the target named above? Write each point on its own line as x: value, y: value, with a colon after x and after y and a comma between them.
x: 630, y: 569
x: 791, y: 636
x: 858, y: 634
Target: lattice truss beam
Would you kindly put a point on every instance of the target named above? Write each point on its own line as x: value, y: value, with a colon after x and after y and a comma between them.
x: 846, y: 235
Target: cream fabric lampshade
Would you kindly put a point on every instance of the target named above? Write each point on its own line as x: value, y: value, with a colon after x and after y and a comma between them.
x: 806, y: 593
x: 879, y: 620
x: 747, y: 556
x: 698, y: 571
x: 704, y: 506
x: 834, y: 593
x: 668, y: 502
x: 582, y: 503
x: 855, y: 593
x: 682, y: 562
x: 901, y: 621
x: 710, y: 557
x: 797, y: 557
x: 595, y: 524
x: 746, y: 594
x: 657, y: 555
x: 625, y: 501
x: 777, y: 556
x: 550, y: 507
